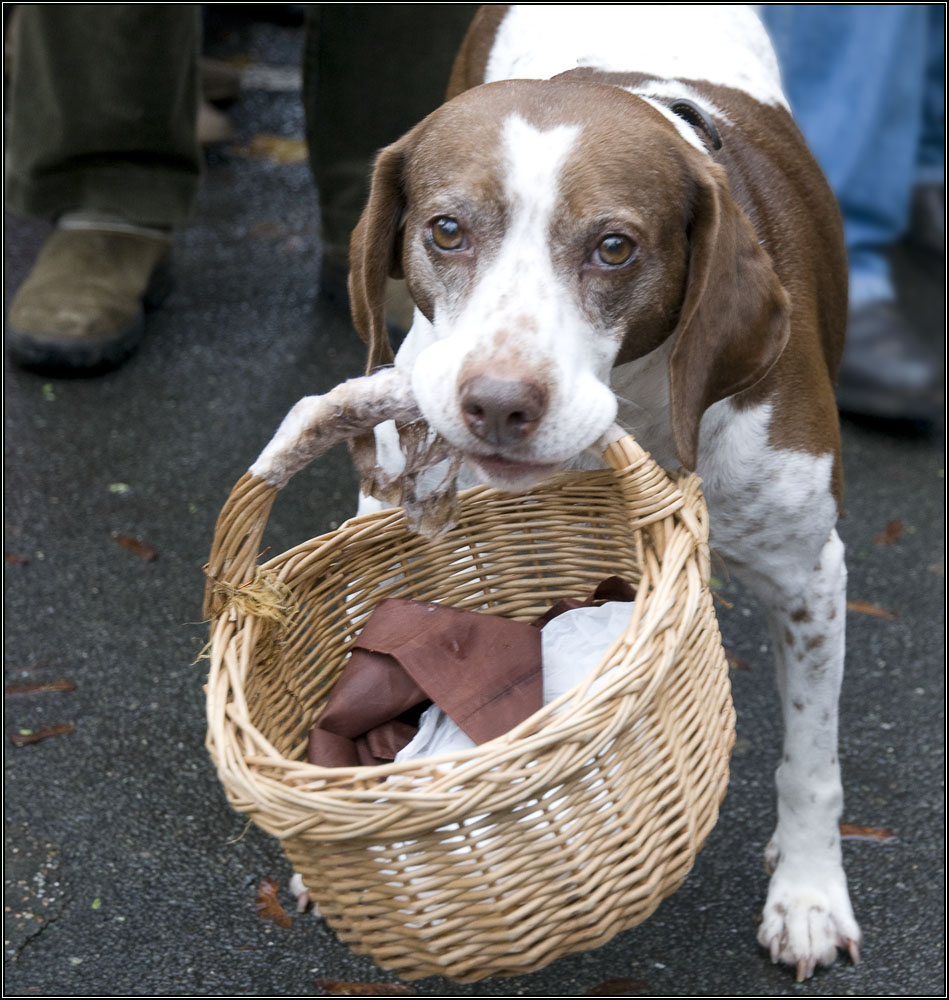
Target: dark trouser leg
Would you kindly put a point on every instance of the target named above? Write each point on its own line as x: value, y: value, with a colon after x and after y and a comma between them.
x: 102, y: 111
x: 371, y: 72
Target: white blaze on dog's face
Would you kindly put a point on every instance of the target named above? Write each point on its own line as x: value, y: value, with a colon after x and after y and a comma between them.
x: 541, y: 249
x: 514, y: 373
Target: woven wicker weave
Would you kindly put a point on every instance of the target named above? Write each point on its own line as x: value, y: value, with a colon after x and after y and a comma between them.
x: 548, y: 840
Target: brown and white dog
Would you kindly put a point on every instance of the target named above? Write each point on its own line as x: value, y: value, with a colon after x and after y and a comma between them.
x: 615, y: 218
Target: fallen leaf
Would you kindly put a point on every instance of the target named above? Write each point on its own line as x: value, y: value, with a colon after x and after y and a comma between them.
x: 276, y: 148
x: 240, y: 59
x: 136, y: 546
x: 866, y: 608
x: 617, y: 988
x: 48, y: 394
x: 26, y: 736
x: 893, y: 532
x: 40, y: 687
x: 338, y: 988
x: 268, y: 231
x: 850, y: 831
x: 120, y: 488
x: 268, y: 907
x: 736, y: 662
x: 14, y: 560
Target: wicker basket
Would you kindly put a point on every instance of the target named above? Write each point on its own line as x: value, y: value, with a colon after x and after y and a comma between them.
x: 548, y: 840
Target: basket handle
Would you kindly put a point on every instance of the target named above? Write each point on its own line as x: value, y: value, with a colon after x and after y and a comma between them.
x: 313, y: 426
x: 317, y: 423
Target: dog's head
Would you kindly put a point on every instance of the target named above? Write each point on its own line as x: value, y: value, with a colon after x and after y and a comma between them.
x: 547, y: 231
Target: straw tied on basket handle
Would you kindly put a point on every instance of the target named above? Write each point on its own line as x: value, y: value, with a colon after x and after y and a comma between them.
x: 423, y: 481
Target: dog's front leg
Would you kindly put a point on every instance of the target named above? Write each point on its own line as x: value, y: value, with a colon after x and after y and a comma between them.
x: 808, y: 915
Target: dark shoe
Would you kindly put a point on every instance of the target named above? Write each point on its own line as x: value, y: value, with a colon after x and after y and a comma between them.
x: 927, y: 231
x: 81, y: 309
x: 887, y: 371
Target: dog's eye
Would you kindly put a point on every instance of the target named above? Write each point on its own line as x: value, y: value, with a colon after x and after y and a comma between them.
x: 615, y: 250
x: 447, y: 234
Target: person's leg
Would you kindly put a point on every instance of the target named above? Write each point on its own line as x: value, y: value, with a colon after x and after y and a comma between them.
x: 854, y: 80
x: 854, y: 76
x: 371, y: 72
x: 102, y: 109
x: 931, y: 162
x: 102, y: 141
x: 928, y: 216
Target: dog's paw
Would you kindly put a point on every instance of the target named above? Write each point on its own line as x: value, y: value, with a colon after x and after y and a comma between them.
x: 805, y: 925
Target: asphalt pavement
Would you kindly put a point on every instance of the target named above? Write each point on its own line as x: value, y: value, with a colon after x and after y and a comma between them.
x: 127, y: 872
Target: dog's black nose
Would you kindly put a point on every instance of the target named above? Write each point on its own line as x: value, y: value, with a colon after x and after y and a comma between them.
x: 502, y: 411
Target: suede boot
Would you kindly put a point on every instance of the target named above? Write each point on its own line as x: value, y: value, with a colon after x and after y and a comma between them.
x: 81, y: 309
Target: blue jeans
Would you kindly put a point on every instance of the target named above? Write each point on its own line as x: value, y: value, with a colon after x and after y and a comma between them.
x: 865, y: 84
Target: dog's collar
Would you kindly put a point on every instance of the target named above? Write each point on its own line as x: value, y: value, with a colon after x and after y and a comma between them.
x: 698, y: 118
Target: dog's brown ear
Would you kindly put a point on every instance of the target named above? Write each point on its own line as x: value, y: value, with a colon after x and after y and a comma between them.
x: 734, y: 321
x: 375, y: 253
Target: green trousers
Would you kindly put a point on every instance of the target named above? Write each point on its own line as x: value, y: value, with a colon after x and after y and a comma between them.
x: 103, y: 101
x: 370, y: 72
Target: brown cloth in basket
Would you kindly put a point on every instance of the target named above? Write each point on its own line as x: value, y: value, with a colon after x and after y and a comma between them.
x: 378, y: 746
x: 483, y: 671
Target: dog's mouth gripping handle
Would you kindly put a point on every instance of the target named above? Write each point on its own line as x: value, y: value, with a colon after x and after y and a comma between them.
x: 317, y: 423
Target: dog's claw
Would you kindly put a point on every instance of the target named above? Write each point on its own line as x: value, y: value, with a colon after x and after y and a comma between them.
x: 853, y: 950
x: 805, y: 968
x: 775, y: 949
x: 299, y: 889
